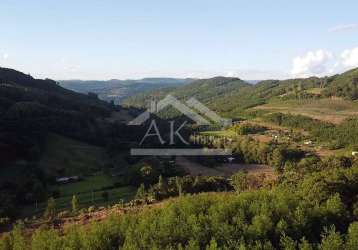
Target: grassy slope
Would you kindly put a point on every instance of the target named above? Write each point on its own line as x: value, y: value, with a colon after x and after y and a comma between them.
x: 332, y: 110
x: 65, y: 156
x: 85, y: 199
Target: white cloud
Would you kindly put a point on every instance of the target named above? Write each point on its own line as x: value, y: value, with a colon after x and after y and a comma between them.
x: 322, y: 62
x: 349, y: 57
x: 313, y: 63
x: 345, y: 27
x: 5, y: 56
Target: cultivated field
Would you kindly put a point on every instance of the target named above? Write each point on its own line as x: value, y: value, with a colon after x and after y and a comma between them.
x: 334, y: 110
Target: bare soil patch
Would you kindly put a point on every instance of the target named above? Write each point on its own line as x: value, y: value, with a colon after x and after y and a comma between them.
x: 225, y: 170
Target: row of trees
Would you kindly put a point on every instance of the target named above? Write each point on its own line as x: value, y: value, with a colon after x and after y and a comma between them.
x: 178, y: 186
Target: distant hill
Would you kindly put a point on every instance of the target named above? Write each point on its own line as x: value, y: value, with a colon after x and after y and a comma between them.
x: 231, y: 96
x: 210, y: 91
x: 117, y: 90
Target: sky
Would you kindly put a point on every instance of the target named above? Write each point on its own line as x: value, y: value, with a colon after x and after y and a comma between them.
x: 133, y: 39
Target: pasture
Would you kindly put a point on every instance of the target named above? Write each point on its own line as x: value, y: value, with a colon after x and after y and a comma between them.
x: 334, y: 110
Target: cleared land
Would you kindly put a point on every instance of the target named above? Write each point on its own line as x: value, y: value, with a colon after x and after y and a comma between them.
x: 226, y: 170
x: 334, y: 110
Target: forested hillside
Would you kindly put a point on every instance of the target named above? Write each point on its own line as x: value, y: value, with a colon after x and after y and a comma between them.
x: 45, y: 133
x: 30, y: 108
x: 231, y: 95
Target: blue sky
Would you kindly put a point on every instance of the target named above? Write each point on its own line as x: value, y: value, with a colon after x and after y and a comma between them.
x: 188, y: 38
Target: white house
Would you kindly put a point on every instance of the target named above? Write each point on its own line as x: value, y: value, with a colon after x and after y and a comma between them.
x: 355, y: 153
x: 230, y: 159
x: 308, y: 142
x: 67, y: 179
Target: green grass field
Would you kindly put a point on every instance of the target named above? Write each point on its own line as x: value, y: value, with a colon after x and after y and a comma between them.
x: 85, y: 199
x: 65, y: 156
x: 220, y: 133
x: 90, y: 183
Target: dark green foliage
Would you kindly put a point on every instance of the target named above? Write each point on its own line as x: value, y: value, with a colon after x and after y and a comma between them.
x: 178, y: 186
x: 141, y: 193
x: 344, y: 85
x: 344, y: 134
x: 50, y: 212
x: 282, y: 218
x: 251, y: 151
x: 246, y: 128
x: 74, y: 204
x: 297, y: 121
x: 31, y: 112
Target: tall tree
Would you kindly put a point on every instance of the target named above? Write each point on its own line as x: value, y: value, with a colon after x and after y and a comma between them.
x: 74, y: 204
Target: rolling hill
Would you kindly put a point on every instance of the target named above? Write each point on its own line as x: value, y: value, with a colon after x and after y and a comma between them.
x: 232, y: 96
x: 117, y: 90
x: 47, y: 131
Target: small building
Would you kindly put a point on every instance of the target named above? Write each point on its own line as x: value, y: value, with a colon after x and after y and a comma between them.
x: 355, y: 153
x: 62, y: 180
x: 308, y: 143
x: 230, y: 159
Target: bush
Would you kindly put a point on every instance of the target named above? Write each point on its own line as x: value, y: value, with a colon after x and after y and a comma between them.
x: 64, y: 214
x: 91, y: 209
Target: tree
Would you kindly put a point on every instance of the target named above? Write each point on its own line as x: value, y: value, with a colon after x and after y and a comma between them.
x: 105, y: 196
x: 213, y: 245
x: 352, y: 239
x: 332, y: 240
x: 162, y: 187
x: 141, y: 193
x: 287, y: 243
x: 74, y: 204
x: 305, y: 245
x: 277, y: 159
x: 5, y: 242
x: 196, y: 184
x: 50, y: 211
x: 179, y: 185
x: 18, y: 240
x: 240, y: 181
